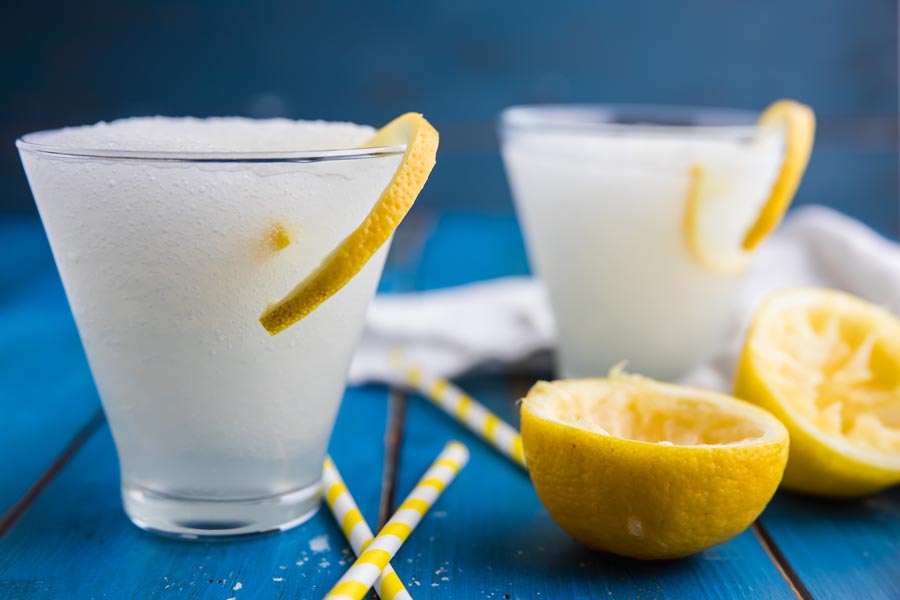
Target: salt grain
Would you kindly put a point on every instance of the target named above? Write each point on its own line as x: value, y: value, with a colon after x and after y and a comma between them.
x: 319, y: 544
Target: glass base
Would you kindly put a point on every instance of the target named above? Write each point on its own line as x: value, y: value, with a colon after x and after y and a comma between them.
x: 191, y: 518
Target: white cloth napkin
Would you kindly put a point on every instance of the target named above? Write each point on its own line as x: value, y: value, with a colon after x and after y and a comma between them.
x: 506, y: 323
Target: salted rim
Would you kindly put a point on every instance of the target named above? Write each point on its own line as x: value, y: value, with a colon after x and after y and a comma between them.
x: 30, y: 142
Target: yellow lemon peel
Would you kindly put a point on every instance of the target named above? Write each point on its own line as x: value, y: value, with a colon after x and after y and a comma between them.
x: 352, y: 254
x: 828, y: 365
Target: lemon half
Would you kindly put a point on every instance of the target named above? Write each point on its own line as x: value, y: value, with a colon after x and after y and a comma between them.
x: 828, y: 365
x: 649, y: 470
x: 352, y: 254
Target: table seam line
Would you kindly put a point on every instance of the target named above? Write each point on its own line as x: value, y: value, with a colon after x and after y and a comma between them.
x: 780, y: 561
x: 17, y: 510
x: 393, y: 440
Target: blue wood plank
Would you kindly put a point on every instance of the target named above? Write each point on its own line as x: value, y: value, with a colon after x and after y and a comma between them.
x: 46, y: 391
x: 76, y: 542
x: 489, y: 537
x: 840, y: 549
x: 466, y: 247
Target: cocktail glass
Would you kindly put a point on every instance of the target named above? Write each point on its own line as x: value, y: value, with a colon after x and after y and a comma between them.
x: 168, y: 258
x: 633, y: 218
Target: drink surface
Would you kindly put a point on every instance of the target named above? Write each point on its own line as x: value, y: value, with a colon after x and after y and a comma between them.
x: 603, y: 215
x: 168, y: 265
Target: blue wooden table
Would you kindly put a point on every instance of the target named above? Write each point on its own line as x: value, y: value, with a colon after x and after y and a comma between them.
x: 64, y: 534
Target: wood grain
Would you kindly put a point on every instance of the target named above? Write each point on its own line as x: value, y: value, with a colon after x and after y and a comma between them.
x: 839, y: 548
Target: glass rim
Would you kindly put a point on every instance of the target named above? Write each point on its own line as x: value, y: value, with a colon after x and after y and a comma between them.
x: 630, y: 119
x: 27, y: 143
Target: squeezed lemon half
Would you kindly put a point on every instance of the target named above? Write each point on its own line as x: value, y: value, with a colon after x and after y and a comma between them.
x: 828, y: 365
x: 797, y: 122
x: 649, y: 470
x: 352, y: 254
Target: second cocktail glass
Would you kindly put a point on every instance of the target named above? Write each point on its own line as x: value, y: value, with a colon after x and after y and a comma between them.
x: 634, y: 218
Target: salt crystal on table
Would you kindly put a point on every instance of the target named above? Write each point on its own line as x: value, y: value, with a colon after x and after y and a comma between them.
x: 319, y: 544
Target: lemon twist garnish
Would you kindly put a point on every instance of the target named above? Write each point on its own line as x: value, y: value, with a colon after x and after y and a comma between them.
x: 827, y: 365
x: 714, y: 261
x: 799, y: 123
x: 691, y: 230
x: 649, y: 470
x: 352, y: 254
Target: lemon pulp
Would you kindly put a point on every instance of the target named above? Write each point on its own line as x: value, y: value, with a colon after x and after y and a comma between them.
x: 828, y: 365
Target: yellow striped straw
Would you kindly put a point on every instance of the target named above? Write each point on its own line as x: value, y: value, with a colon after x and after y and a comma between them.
x: 358, y: 533
x: 362, y: 574
x: 465, y: 409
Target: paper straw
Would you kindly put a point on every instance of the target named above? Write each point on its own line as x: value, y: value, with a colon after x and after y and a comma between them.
x: 357, y: 531
x: 465, y: 409
x: 355, y: 583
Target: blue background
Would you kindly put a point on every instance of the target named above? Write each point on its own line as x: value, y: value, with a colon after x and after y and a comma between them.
x: 460, y: 62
